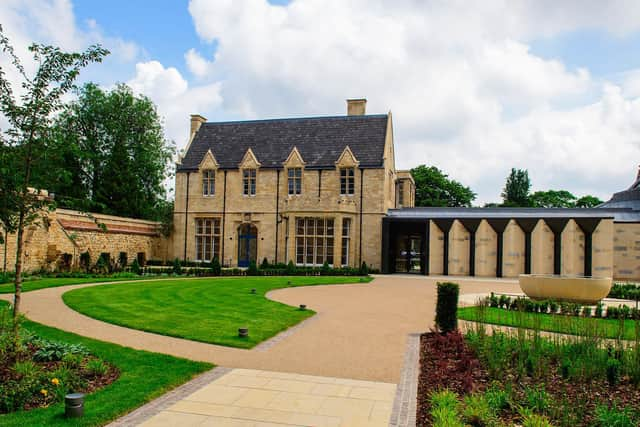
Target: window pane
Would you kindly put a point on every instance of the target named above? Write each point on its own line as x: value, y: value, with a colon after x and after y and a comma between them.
x: 300, y: 250
x: 300, y: 226
x: 216, y: 248
x: 330, y: 227
x: 320, y: 227
x: 309, y: 250
x: 291, y: 173
x: 310, y: 227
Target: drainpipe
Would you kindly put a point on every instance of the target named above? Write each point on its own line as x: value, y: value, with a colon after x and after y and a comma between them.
x: 277, y: 211
x: 224, y: 214
x: 361, y: 198
x: 186, y: 218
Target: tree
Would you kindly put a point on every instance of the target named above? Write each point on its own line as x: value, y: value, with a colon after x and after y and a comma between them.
x: 25, y: 166
x: 553, y: 199
x: 588, y: 201
x: 516, y: 189
x: 112, y: 154
x: 435, y: 188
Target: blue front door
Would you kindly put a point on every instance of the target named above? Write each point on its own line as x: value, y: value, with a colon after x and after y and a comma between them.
x: 247, y: 244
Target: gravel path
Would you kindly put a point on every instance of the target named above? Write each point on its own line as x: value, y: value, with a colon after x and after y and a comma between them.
x: 359, y: 332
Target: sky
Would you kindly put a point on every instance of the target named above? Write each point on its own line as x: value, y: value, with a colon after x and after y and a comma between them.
x: 475, y: 88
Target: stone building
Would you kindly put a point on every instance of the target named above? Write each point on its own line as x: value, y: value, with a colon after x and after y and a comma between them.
x: 308, y: 190
x: 326, y: 189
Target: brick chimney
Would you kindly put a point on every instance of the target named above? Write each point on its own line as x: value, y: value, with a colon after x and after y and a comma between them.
x: 196, y: 121
x: 356, y: 107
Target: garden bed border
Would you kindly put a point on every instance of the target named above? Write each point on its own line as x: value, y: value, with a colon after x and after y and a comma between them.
x: 405, y: 402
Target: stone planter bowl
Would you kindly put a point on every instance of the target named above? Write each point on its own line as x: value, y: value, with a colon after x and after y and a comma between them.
x: 583, y: 290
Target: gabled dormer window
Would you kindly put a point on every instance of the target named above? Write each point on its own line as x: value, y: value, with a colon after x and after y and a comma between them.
x: 208, y: 182
x: 294, y: 177
x: 347, y: 181
x: 249, y: 182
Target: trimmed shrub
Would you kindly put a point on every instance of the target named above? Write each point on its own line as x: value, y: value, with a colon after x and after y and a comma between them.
x: 265, y: 264
x: 291, y: 269
x: 613, y: 371
x: 364, y: 269
x: 135, y: 267
x: 325, y: 270
x: 253, y: 269
x: 177, y: 267
x: 447, y: 307
x: 216, y: 268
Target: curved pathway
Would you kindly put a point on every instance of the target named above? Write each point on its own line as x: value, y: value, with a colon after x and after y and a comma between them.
x: 359, y: 332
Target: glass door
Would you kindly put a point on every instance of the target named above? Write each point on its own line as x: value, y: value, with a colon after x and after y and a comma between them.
x: 408, y: 254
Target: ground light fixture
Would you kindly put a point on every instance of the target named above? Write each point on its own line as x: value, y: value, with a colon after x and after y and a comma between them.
x: 253, y: 291
x: 74, y: 405
x: 243, y: 332
x: 303, y: 307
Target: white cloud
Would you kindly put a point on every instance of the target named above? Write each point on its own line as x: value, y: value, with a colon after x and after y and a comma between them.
x: 197, y: 65
x: 173, y: 96
x: 467, y: 93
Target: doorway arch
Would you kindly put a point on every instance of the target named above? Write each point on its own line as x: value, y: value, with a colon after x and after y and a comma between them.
x: 247, y: 244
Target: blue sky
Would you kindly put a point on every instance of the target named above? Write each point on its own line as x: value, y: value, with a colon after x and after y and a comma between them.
x: 475, y: 88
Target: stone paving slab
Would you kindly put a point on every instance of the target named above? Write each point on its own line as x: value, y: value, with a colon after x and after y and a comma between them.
x: 247, y: 397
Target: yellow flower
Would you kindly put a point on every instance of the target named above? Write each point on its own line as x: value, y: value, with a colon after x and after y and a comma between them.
x: 44, y: 392
x: 55, y: 381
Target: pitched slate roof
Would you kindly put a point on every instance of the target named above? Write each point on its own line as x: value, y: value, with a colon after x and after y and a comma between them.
x: 320, y: 141
x: 629, y: 199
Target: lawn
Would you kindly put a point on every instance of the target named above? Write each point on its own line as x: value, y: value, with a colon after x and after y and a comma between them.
x: 209, y: 310
x: 143, y: 377
x: 52, y: 282
x: 607, y: 328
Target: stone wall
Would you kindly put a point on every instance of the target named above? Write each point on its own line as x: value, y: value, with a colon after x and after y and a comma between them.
x: 70, y: 232
x: 626, y: 251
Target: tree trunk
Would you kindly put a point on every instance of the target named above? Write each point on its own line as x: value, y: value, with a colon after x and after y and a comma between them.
x: 18, y: 279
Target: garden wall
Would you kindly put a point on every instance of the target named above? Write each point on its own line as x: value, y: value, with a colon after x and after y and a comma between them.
x: 62, y: 235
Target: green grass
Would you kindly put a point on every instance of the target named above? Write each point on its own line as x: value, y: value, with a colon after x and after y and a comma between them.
x: 606, y: 328
x: 209, y: 310
x: 143, y: 377
x: 52, y: 282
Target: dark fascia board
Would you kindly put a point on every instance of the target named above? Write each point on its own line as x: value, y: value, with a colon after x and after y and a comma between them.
x: 487, y: 213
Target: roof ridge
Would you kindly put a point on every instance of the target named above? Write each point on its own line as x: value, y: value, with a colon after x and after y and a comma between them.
x: 282, y: 119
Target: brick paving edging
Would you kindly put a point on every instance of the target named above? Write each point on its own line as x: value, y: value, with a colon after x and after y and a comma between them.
x: 405, y: 403
x: 143, y: 413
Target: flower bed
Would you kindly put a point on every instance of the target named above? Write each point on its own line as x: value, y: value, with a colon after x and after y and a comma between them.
x: 42, y: 372
x: 523, y: 379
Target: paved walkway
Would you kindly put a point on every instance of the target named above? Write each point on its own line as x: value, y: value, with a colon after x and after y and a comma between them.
x: 359, y: 332
x: 250, y: 398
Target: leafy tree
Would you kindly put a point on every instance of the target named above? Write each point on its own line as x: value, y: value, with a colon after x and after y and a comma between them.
x: 553, y: 199
x: 112, y: 154
x: 435, y: 188
x: 588, y: 201
x: 25, y: 165
x: 516, y: 189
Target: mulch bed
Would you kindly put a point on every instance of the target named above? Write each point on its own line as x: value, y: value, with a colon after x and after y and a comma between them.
x: 91, y: 382
x: 447, y: 362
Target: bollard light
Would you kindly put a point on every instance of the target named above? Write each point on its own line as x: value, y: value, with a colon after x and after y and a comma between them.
x: 253, y: 291
x: 243, y: 332
x: 303, y: 307
x: 74, y: 405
